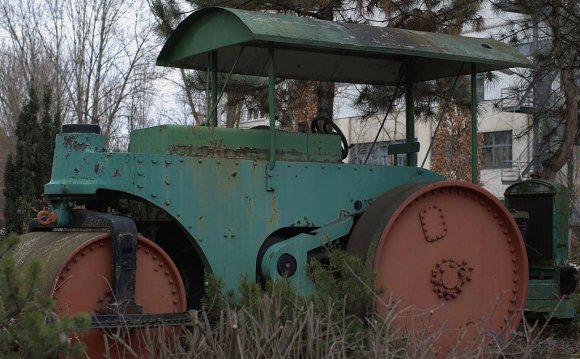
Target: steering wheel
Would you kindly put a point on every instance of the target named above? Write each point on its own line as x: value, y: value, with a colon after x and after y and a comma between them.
x: 325, y: 125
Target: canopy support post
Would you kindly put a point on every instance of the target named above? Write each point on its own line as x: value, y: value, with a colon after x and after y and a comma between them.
x: 272, y: 106
x: 410, y: 109
x: 214, y: 90
x: 474, y: 171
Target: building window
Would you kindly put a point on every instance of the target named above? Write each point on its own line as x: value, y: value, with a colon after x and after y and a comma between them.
x: 252, y: 114
x: 497, y: 149
x: 379, y: 156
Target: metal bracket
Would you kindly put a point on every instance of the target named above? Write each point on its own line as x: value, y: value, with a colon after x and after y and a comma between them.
x: 124, y: 256
x: 294, y: 253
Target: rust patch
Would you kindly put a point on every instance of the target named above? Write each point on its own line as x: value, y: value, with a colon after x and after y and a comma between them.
x: 117, y: 173
x: 275, y: 217
x: 71, y: 142
x: 97, y: 167
x: 240, y: 152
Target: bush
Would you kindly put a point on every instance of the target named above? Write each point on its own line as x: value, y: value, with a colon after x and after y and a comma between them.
x: 28, y: 326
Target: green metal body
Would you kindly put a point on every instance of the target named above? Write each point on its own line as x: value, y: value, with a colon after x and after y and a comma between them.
x: 546, y: 203
x: 216, y: 184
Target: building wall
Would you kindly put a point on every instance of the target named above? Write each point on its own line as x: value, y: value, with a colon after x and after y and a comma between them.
x: 491, y: 119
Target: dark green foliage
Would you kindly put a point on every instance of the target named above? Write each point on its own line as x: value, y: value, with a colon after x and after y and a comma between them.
x: 29, y: 169
x: 28, y: 326
x: 344, y: 284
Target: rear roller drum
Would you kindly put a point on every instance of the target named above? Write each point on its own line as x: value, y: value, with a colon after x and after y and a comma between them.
x: 449, y: 257
x: 77, y: 266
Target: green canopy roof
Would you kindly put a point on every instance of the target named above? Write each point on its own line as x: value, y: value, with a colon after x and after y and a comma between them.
x: 324, y: 50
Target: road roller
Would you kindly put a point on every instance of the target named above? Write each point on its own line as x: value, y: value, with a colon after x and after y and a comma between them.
x: 130, y: 235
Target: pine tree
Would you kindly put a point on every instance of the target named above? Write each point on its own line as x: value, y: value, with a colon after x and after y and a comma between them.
x: 10, y: 192
x: 29, y: 169
x: 28, y: 326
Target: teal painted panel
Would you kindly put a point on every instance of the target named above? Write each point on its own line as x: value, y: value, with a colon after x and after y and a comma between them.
x: 228, y: 207
x: 81, y: 166
x: 200, y: 141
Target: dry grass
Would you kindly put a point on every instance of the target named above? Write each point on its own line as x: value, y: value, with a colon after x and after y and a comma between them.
x: 277, y: 323
x: 277, y: 331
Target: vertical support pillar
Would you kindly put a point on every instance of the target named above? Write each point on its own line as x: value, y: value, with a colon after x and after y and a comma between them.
x: 473, y: 124
x: 272, y: 106
x: 410, y: 109
x: 214, y: 90
x: 207, y: 91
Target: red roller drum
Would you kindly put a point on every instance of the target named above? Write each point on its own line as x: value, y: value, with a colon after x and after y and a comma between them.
x: 449, y: 257
x: 77, y: 266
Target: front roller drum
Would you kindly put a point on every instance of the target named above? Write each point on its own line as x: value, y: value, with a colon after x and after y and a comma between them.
x: 450, y: 258
x: 77, y: 268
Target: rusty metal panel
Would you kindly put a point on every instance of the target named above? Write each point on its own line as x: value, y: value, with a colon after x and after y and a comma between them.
x: 234, y: 143
x: 310, y: 48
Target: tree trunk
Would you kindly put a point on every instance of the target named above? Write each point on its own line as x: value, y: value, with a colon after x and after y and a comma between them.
x: 325, y: 90
x: 563, y: 61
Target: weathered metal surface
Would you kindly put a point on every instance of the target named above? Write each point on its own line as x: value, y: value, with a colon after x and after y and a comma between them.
x: 298, y: 249
x: 450, y: 256
x: 546, y: 202
x: 545, y: 301
x: 324, y: 50
x: 545, y: 205
x: 78, y: 276
x: 81, y: 163
x: 234, y: 143
x: 228, y: 207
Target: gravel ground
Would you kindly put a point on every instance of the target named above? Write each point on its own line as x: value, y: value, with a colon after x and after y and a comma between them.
x: 558, y: 341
